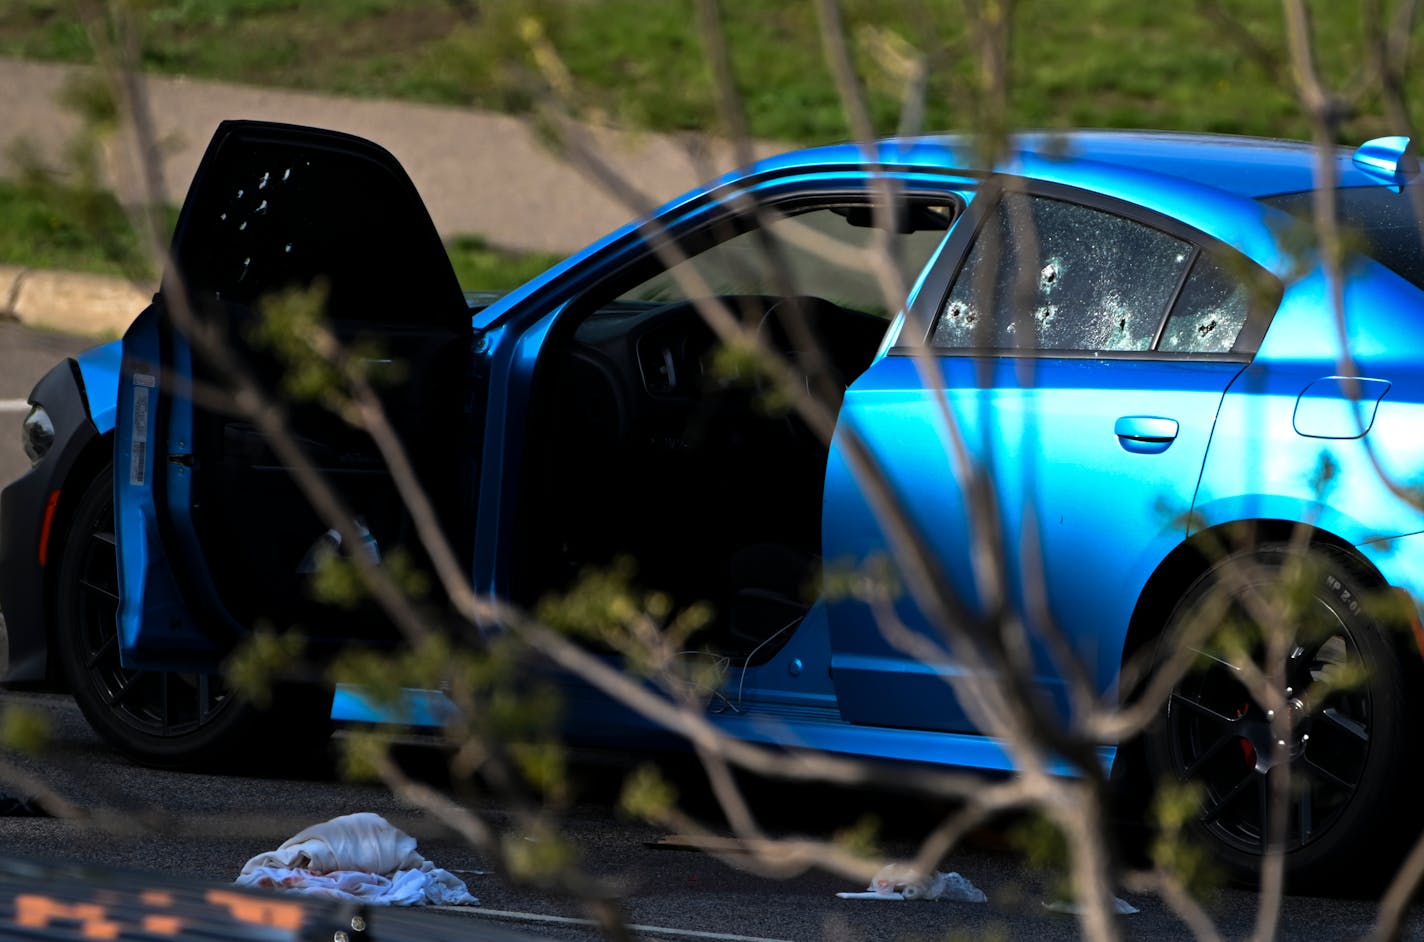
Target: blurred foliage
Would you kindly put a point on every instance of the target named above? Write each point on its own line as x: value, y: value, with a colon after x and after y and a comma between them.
x: 364, y: 753
x: 1174, y: 807
x: 743, y: 363
x: 1209, y: 65
x: 503, y: 709
x: 540, y: 854
x: 337, y: 582
x: 1325, y: 475
x: 873, y: 580
x: 23, y: 729
x: 647, y: 795
x: 1045, y: 847
x: 861, y: 839
x: 1041, y: 841
x: 291, y: 325
x: 425, y: 665
x: 264, y: 657
x: 605, y: 605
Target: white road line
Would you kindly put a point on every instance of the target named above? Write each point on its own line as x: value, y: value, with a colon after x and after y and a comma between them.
x: 570, y: 921
x: 14, y: 405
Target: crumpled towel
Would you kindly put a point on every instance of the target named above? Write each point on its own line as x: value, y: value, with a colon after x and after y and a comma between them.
x: 899, y: 882
x: 358, y: 857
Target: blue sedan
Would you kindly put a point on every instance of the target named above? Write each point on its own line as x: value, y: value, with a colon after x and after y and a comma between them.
x: 1099, y: 392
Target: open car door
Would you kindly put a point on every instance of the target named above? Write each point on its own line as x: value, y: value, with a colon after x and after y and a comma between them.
x: 214, y: 536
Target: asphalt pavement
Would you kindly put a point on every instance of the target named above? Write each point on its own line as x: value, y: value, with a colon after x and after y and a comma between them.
x: 206, y: 826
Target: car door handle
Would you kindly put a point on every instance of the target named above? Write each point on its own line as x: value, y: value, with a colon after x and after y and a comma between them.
x: 1145, y: 434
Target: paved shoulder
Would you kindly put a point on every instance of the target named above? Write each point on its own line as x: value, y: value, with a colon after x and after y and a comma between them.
x: 479, y: 172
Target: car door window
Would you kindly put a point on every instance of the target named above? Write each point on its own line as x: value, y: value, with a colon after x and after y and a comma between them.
x: 1210, y: 313
x: 1046, y: 274
x: 828, y: 251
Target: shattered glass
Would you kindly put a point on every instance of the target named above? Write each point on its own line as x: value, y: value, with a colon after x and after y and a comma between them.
x: 1103, y: 282
x: 1210, y: 313
x: 274, y: 210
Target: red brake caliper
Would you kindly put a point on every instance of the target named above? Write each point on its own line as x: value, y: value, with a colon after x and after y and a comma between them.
x: 1248, y: 751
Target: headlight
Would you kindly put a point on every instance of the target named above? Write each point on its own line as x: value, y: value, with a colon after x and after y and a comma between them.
x: 37, y: 434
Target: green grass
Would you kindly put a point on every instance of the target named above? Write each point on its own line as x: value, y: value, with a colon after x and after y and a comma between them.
x: 1075, y: 63
x: 53, y: 227
x: 1099, y: 63
x: 72, y: 230
x: 479, y: 266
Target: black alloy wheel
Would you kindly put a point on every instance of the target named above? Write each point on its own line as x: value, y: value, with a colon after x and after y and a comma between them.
x: 1346, y: 689
x: 160, y: 718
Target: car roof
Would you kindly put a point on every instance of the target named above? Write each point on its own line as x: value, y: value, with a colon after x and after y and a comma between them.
x: 1251, y: 167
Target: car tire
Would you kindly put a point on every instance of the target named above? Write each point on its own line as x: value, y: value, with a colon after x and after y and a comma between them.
x: 1354, y: 775
x: 158, y: 718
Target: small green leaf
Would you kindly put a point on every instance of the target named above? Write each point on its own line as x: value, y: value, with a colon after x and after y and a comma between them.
x: 363, y: 754
x: 23, y: 729
x: 647, y: 796
x: 263, y: 658
x: 861, y: 839
x: 538, y: 855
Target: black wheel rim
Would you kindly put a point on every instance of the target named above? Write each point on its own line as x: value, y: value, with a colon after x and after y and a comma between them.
x: 153, y: 704
x: 1221, y: 739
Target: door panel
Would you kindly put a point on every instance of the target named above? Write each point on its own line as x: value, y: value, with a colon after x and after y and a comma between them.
x: 214, y: 535
x: 1097, y: 511
x: 1080, y: 349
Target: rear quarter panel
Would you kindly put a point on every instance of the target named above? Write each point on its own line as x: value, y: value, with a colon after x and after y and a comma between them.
x: 1353, y: 473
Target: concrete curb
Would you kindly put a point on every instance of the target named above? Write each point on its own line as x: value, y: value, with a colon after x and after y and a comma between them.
x: 97, y: 306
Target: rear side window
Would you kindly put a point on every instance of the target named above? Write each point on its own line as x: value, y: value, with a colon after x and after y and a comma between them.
x: 1388, y: 221
x: 1210, y: 313
x: 1047, y: 275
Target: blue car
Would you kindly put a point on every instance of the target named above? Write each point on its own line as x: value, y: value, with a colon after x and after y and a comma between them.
x: 1095, y: 385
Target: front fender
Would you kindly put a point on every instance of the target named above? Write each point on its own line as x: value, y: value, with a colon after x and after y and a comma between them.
x: 33, y: 510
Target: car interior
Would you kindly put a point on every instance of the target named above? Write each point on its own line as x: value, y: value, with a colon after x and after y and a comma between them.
x: 651, y: 442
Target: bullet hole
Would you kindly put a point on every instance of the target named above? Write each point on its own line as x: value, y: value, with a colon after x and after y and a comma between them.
x: 1048, y: 277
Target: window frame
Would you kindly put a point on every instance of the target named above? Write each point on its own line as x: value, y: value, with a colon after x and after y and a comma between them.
x: 944, y: 274
x: 691, y: 231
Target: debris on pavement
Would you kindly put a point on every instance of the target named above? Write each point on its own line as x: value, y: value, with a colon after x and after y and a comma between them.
x: 900, y: 882
x: 1120, y: 906
x: 359, y: 857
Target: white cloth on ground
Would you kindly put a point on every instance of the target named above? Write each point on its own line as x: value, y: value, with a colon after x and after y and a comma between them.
x: 901, y: 882
x: 360, y: 857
